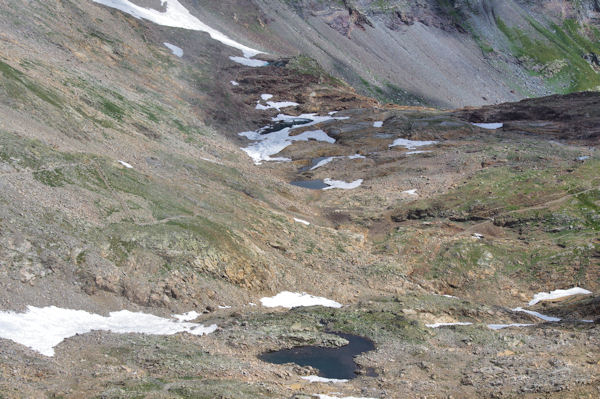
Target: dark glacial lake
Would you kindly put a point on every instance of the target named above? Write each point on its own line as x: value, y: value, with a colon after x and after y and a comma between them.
x: 310, y: 184
x: 335, y: 363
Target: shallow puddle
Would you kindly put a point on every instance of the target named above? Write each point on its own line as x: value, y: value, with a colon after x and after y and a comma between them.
x: 335, y: 363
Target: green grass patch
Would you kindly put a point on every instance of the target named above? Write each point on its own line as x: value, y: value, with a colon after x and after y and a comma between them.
x: 557, y: 43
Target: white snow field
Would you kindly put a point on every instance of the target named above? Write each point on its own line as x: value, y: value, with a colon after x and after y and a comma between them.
x: 342, y: 184
x: 126, y: 165
x: 557, y: 294
x: 267, y: 145
x: 536, y: 314
x: 176, y: 16
x: 249, y: 62
x: 501, y: 326
x: 411, y: 144
x: 41, y: 329
x: 286, y: 299
x: 178, y: 51
x: 316, y: 378
x: 323, y: 396
x: 329, y: 159
x: 489, y: 126
x: 438, y: 325
x: 304, y: 222
x: 273, y: 104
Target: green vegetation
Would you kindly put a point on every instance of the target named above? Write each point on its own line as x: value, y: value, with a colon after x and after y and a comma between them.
x: 15, y: 80
x: 558, y: 44
x: 309, y: 66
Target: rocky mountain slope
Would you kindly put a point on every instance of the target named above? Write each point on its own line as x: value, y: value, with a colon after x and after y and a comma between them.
x: 125, y: 184
x: 448, y: 53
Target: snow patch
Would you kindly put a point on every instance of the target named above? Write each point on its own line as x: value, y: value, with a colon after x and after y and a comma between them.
x: 267, y: 145
x: 290, y: 300
x: 342, y: 184
x: 316, y: 378
x: 189, y: 316
x: 416, y: 152
x: 556, y: 294
x: 410, y: 192
x: 302, y: 221
x: 174, y: 49
x: 329, y: 159
x: 176, y: 16
x: 275, y: 105
x: 501, y: 326
x: 249, y: 62
x: 536, y: 314
x: 125, y: 164
x: 41, y: 329
x: 411, y: 144
x: 234, y: 83
x: 266, y: 97
x: 322, y: 396
x: 438, y: 325
x: 490, y: 126
x: 323, y: 162
x: 224, y: 307
x: 378, y: 124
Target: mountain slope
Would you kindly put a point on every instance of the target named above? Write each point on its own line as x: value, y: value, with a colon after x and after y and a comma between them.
x: 125, y: 184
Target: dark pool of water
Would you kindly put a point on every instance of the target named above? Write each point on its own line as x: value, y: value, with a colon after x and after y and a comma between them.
x: 310, y: 184
x: 280, y: 125
x: 331, y: 362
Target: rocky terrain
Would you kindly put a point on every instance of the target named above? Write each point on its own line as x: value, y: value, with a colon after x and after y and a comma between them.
x: 125, y: 184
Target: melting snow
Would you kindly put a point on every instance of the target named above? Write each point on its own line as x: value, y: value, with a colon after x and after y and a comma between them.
x: 438, y: 325
x: 329, y: 159
x: 410, y: 192
x: 416, y: 152
x: 176, y: 16
x: 411, y: 144
x: 191, y: 315
x: 275, y: 105
x: 302, y: 221
x: 378, y: 124
x: 266, y: 145
x: 249, y: 62
x: 536, y: 314
x: 233, y: 82
x: 548, y: 296
x: 490, y: 126
x: 266, y: 97
x: 315, y: 378
x: 174, y: 49
x: 501, y: 326
x: 125, y: 164
x: 289, y: 300
x: 322, y: 396
x: 224, y: 307
x: 41, y: 329
x: 342, y: 184
x: 323, y: 162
